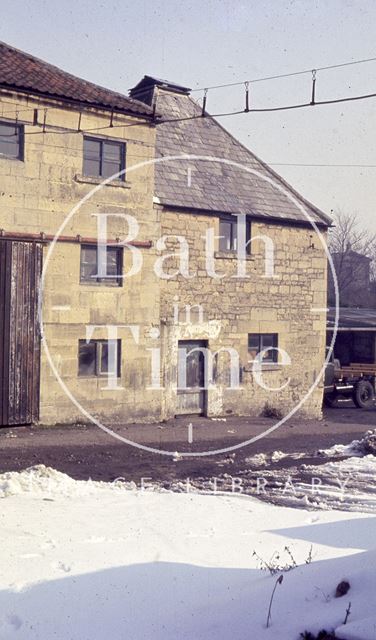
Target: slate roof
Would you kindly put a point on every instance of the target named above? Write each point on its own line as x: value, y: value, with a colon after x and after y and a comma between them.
x: 214, y: 186
x: 352, y: 255
x: 22, y: 71
x: 353, y: 319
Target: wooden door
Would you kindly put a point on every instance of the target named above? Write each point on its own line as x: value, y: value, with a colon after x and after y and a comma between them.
x: 20, y: 269
x: 191, y: 398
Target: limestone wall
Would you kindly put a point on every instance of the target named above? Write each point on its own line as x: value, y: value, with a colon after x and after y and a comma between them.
x: 288, y: 304
x: 37, y: 195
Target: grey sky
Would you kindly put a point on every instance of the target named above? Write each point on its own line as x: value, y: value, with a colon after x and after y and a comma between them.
x: 201, y: 43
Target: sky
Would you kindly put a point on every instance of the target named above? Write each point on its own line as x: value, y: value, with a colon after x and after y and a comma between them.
x: 201, y: 43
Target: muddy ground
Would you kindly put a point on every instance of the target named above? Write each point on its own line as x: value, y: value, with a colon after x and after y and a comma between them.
x: 85, y: 451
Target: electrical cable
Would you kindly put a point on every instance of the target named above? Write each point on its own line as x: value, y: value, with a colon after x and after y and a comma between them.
x: 205, y: 116
x: 286, y: 75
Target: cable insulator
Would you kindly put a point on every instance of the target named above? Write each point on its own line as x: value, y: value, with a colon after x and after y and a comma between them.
x: 204, y: 103
x: 246, y: 97
x: 313, y: 86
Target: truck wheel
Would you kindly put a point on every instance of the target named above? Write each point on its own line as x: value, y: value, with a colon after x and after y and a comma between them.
x: 364, y: 395
x: 331, y: 399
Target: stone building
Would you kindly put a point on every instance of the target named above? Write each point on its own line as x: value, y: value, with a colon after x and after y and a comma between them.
x: 285, y: 310
x: 150, y: 322
x: 60, y: 137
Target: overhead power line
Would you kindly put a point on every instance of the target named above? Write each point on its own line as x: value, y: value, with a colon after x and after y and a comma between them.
x: 302, y: 105
x: 196, y: 116
x: 253, y: 80
x: 286, y: 75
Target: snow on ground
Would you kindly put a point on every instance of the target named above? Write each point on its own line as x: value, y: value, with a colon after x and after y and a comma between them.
x: 346, y: 484
x: 91, y: 561
x: 362, y: 447
x: 360, y: 630
x: 346, y: 481
x: 263, y: 460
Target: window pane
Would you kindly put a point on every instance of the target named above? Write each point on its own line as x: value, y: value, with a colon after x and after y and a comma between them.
x: 114, y: 263
x: 88, y: 263
x: 248, y: 237
x: 253, y: 345
x: 91, y: 167
x: 107, y: 363
x: 10, y: 140
x: 225, y: 231
x: 104, y: 358
x: 112, y: 152
x: 112, y: 161
x: 110, y: 168
x: 269, y: 341
x: 92, y: 149
x: 86, y: 358
x: 253, y: 341
x: 92, y: 157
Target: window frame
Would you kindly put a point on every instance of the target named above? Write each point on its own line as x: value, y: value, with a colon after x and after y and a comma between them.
x: 21, y: 140
x: 233, y: 220
x: 111, y: 281
x: 102, y: 142
x: 98, y: 350
x: 273, y: 357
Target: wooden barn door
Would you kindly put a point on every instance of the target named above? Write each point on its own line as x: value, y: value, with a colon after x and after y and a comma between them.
x: 20, y: 268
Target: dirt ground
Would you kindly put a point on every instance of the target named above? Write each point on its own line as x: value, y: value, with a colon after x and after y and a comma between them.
x: 85, y: 451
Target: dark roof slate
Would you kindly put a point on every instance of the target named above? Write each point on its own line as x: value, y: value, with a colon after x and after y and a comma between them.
x: 352, y: 318
x: 216, y: 186
x: 20, y: 70
x: 352, y: 255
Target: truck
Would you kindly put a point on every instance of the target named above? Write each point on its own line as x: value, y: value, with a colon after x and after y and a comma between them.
x: 355, y: 381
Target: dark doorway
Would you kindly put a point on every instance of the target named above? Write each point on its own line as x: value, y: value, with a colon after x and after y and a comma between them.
x: 20, y: 269
x: 191, y: 398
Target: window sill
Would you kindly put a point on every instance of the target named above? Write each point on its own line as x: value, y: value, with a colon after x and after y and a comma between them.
x: 112, y: 285
x: 102, y: 376
x: 98, y: 180
x: 230, y: 255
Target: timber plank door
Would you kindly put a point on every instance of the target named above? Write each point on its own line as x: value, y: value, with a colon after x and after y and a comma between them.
x: 20, y: 269
x: 191, y: 397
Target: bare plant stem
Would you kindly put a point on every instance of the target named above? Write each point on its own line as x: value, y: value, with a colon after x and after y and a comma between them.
x: 269, y: 618
x: 348, y: 610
